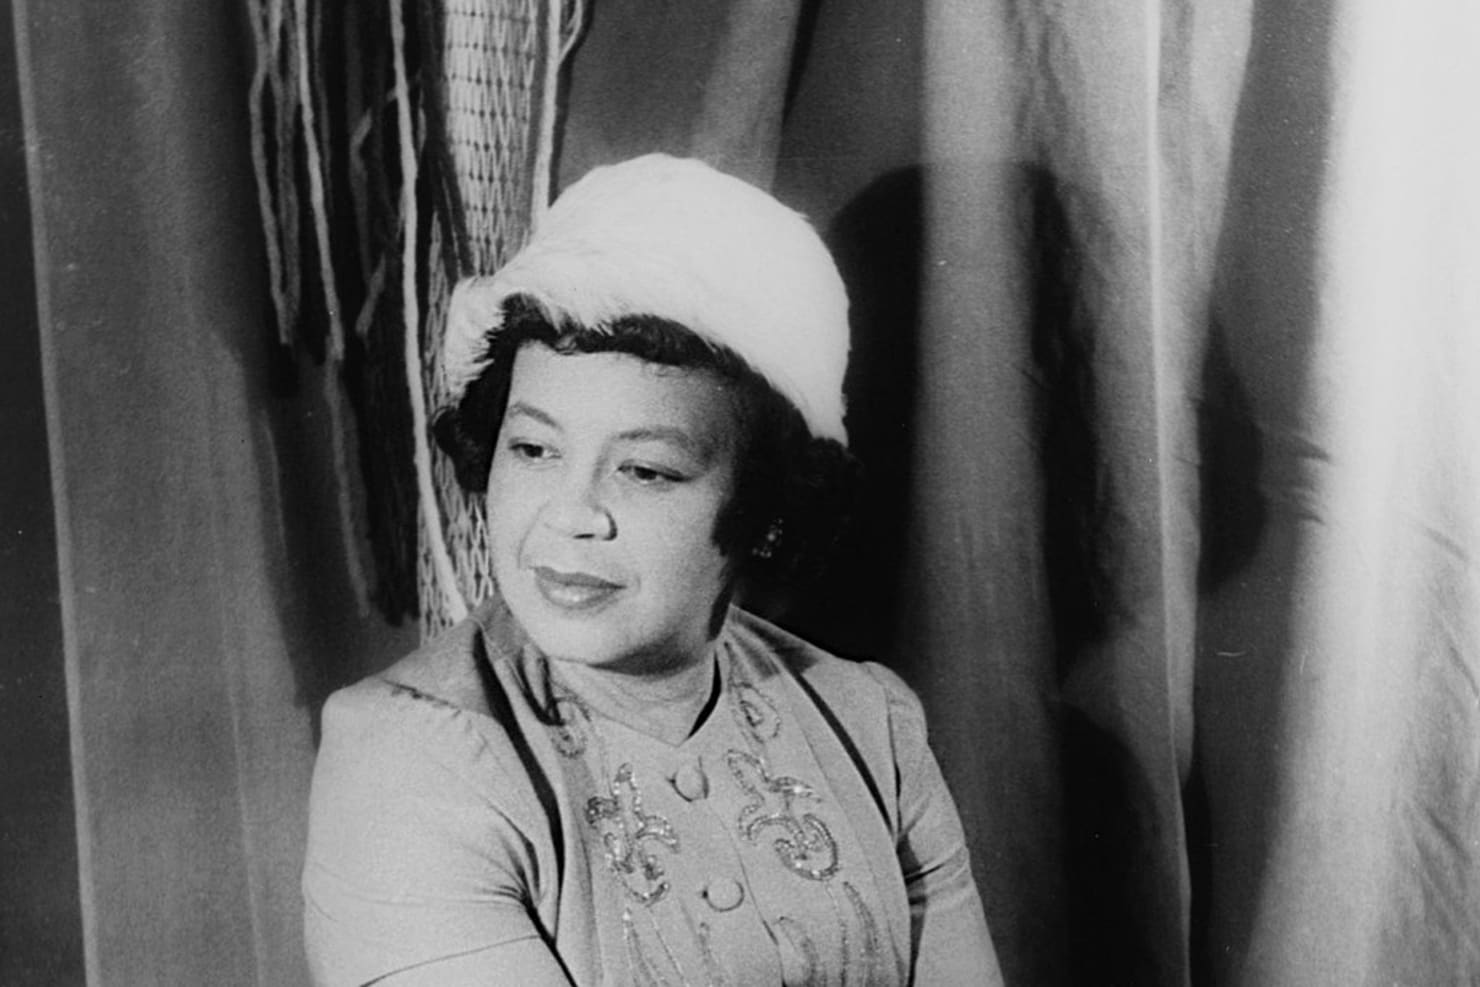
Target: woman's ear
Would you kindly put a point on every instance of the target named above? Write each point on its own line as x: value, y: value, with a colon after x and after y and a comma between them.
x: 770, y: 541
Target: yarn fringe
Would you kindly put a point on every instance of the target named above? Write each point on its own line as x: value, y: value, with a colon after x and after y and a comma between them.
x: 413, y: 142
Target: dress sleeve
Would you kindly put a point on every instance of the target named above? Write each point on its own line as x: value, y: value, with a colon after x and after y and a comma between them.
x: 410, y: 860
x: 951, y: 944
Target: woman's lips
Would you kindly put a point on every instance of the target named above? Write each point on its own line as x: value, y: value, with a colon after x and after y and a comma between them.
x: 573, y: 590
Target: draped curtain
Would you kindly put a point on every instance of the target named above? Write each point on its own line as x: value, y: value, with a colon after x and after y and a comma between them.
x: 1193, y: 551
x: 1167, y: 342
x: 204, y: 596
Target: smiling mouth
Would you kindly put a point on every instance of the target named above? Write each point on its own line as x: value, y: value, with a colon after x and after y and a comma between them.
x: 573, y: 590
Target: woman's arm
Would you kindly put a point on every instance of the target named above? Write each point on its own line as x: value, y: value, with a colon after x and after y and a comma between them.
x: 948, y: 925
x: 416, y: 871
x: 951, y: 944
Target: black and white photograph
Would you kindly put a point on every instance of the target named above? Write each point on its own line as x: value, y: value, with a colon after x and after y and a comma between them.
x: 730, y: 493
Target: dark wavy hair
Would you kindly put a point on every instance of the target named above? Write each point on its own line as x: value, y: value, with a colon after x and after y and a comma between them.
x: 794, y: 493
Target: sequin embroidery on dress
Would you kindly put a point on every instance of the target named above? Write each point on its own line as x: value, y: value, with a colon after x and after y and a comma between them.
x: 632, y: 839
x: 803, y: 842
x: 758, y: 717
x: 777, y: 807
x: 569, y: 721
x: 645, y: 974
x: 627, y: 833
x: 811, y: 971
x: 870, y: 929
x: 712, y: 969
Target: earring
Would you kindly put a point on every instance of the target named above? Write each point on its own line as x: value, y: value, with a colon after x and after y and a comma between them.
x: 772, y: 538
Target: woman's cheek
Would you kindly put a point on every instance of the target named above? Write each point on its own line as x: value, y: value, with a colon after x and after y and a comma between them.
x: 509, y: 521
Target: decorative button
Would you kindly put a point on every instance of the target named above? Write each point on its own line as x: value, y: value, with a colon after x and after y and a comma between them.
x: 723, y: 894
x: 691, y: 782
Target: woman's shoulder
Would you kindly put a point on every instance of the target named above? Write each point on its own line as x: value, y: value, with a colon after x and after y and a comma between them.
x: 456, y: 670
x: 426, y: 834
x: 837, y: 680
x: 438, y: 707
x: 436, y: 679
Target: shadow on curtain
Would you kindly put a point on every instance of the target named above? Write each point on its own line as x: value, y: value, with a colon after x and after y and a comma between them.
x: 1193, y: 545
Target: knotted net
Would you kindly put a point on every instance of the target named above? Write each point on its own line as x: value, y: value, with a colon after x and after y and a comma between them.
x: 397, y: 147
x: 499, y: 75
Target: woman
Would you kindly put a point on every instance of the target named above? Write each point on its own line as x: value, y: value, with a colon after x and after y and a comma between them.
x: 609, y: 774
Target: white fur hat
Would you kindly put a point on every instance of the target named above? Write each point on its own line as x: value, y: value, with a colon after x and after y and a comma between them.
x: 678, y: 240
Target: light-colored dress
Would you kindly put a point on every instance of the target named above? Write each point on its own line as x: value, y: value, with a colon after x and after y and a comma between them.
x: 802, y: 834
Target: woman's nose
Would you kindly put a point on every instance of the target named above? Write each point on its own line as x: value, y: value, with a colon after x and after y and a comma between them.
x: 577, y: 510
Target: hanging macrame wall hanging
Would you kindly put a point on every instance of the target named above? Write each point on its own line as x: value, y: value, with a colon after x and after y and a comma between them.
x: 399, y: 145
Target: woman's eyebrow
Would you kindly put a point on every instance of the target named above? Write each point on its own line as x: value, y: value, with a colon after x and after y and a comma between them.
x: 685, y: 440
x: 530, y: 411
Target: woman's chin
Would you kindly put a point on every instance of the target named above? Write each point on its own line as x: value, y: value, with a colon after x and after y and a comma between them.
x: 601, y: 641
x: 561, y: 633
x: 576, y: 649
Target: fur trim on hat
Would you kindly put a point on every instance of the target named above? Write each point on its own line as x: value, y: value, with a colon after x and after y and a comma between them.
x: 678, y: 240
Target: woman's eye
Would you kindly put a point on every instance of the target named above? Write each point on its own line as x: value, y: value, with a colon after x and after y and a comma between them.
x: 532, y: 452
x: 650, y: 475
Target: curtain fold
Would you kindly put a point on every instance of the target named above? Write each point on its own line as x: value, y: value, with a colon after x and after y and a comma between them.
x: 1197, y: 384
x: 976, y: 615
x: 203, y: 586
x: 1371, y: 840
x: 706, y: 79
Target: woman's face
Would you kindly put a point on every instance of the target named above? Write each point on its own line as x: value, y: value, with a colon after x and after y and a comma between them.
x: 608, y: 476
